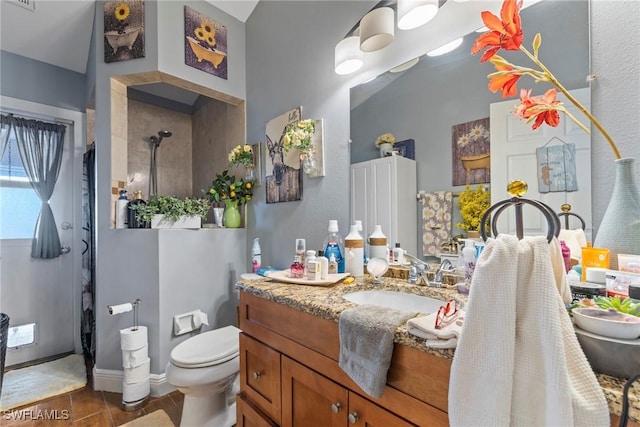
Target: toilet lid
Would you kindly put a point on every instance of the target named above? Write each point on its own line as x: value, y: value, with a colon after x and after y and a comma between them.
x: 207, y: 349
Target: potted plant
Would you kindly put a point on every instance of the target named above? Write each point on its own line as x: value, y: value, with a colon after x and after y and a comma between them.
x: 385, y: 143
x: 473, y: 204
x: 172, y: 212
x: 226, y: 189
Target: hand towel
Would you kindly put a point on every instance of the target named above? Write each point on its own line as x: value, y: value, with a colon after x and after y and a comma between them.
x: 518, y: 361
x: 366, y: 344
x: 425, y: 327
x: 575, y: 240
x: 559, y: 271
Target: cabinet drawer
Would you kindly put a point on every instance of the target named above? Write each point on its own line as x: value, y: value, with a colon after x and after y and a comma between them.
x: 248, y: 416
x: 260, y: 376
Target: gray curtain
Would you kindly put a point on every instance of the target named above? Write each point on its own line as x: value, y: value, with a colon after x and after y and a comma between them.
x: 40, y: 145
x: 5, y: 127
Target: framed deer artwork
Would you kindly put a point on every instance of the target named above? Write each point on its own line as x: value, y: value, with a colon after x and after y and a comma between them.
x: 282, y: 169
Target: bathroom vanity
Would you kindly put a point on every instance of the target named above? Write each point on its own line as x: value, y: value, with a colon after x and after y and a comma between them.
x: 289, y: 373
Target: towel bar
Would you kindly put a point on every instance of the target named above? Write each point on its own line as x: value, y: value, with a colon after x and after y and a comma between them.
x: 516, y: 189
x: 566, y: 213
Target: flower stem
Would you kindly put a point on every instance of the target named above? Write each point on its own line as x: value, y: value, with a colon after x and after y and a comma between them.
x: 575, y: 102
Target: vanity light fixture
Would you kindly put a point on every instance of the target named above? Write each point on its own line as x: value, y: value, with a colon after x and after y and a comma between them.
x: 446, y: 48
x: 405, y: 66
x: 348, y: 56
x: 415, y: 13
x: 377, y: 29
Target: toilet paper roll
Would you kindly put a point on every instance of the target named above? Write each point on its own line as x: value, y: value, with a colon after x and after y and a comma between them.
x: 133, y: 340
x: 136, y: 391
x: 133, y: 358
x: 120, y: 308
x: 138, y: 374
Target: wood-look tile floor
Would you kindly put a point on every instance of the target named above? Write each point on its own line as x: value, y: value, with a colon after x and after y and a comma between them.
x: 88, y: 408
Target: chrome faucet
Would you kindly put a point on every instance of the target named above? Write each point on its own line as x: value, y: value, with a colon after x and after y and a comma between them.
x: 445, y: 267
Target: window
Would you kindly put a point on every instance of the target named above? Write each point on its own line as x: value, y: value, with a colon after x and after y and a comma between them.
x: 19, y: 204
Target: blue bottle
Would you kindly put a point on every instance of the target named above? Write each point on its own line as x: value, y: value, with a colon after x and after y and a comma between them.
x: 334, y: 245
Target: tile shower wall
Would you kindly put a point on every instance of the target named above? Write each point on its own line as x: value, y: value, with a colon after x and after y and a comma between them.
x: 173, y: 157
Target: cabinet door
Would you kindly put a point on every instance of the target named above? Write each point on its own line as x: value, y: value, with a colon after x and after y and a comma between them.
x: 248, y: 416
x: 309, y: 399
x: 361, y: 194
x: 363, y: 413
x: 383, y: 186
x: 260, y: 375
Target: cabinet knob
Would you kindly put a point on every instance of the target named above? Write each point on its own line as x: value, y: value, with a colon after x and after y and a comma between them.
x: 335, y: 408
x: 354, y: 417
x: 256, y: 374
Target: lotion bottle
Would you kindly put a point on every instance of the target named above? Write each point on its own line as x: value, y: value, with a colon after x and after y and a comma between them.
x: 324, y: 265
x: 256, y: 255
x: 469, y: 256
x: 354, y: 251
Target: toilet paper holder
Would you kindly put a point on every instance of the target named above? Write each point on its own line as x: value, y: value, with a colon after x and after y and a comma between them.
x: 126, y: 307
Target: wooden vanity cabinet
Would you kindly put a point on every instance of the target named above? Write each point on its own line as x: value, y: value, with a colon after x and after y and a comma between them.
x: 289, y: 376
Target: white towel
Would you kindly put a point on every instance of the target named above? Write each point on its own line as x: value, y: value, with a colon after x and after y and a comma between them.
x: 559, y: 271
x: 425, y: 327
x: 518, y: 361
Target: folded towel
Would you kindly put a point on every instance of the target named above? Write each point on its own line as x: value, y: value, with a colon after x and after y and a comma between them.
x: 366, y: 344
x: 518, y: 361
x: 425, y: 327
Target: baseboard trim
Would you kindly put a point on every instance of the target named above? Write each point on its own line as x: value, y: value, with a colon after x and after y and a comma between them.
x: 111, y: 381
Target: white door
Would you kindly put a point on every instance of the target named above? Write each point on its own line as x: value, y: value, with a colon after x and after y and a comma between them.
x: 44, y: 292
x: 513, y: 156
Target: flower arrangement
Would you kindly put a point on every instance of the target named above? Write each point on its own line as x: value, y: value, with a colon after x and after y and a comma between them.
x: 121, y: 13
x: 298, y: 135
x: 473, y: 204
x: 206, y: 34
x: 477, y: 133
x: 226, y: 188
x: 385, y: 138
x: 506, y: 33
x: 241, y: 154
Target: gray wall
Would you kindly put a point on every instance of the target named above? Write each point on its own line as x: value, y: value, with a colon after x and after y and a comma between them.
x: 35, y: 81
x: 287, y: 68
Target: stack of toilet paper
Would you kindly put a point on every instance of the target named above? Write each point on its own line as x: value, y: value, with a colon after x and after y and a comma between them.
x: 136, y: 364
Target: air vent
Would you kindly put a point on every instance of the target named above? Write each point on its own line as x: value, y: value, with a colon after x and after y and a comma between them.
x: 26, y: 4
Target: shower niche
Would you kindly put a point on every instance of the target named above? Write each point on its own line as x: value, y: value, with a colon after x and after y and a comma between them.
x: 169, y: 136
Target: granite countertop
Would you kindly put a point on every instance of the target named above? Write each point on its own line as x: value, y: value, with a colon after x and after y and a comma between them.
x: 327, y: 302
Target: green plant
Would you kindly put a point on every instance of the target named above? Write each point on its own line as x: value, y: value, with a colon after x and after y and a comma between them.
x: 226, y: 187
x: 473, y: 204
x: 172, y: 208
x: 241, y: 154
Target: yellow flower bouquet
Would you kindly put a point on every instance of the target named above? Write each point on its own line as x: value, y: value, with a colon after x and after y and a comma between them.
x: 298, y: 135
x: 241, y: 154
x: 385, y: 138
x: 473, y: 204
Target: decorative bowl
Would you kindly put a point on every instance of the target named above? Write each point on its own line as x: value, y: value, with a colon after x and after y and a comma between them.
x: 376, y: 267
x: 606, y: 323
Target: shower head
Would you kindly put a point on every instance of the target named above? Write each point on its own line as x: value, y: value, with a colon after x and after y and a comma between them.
x: 156, y: 140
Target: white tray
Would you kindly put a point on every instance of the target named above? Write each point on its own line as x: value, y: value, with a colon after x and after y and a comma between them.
x: 285, y: 276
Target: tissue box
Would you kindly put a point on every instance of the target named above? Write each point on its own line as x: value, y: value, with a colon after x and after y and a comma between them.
x: 610, y: 356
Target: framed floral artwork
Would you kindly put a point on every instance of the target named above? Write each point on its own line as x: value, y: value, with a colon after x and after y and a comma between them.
x: 471, y: 152
x: 123, y: 30
x: 205, y: 43
x: 282, y: 168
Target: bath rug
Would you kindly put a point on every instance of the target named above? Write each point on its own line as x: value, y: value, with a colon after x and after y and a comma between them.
x: 157, y: 418
x: 33, y: 383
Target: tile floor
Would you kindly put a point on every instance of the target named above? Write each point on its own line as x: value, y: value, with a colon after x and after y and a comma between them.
x: 88, y: 408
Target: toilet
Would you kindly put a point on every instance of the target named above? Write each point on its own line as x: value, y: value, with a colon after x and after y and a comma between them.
x: 205, y: 368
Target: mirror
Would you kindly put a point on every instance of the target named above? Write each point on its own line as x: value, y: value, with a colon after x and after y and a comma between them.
x: 424, y: 102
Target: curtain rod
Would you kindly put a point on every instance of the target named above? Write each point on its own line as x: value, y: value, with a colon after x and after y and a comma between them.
x: 20, y: 114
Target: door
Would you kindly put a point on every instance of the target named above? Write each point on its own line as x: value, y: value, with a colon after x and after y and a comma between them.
x: 309, y: 399
x: 35, y: 291
x: 513, y: 156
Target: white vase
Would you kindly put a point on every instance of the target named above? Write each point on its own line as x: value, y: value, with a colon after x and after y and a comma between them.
x: 384, y: 149
x: 619, y: 230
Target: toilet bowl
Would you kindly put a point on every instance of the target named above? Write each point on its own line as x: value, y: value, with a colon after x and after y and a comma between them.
x: 205, y: 368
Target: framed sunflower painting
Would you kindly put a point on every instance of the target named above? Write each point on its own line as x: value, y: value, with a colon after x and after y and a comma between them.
x: 205, y: 43
x: 123, y: 30
x: 471, y: 152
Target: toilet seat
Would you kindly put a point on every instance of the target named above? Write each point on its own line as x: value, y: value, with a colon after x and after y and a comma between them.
x: 207, y: 349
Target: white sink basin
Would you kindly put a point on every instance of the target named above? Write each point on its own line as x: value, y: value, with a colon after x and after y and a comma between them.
x: 396, y: 300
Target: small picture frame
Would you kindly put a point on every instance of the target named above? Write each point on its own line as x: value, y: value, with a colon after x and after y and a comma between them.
x: 407, y: 148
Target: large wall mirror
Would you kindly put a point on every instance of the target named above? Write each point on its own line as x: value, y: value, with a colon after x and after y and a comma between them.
x: 424, y: 102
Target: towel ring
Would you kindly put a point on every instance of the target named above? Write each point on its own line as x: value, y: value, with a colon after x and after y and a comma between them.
x: 566, y: 213
x: 517, y: 189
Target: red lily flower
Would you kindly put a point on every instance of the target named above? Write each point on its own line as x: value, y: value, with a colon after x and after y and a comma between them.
x: 507, y: 80
x: 543, y: 109
x: 504, y: 34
